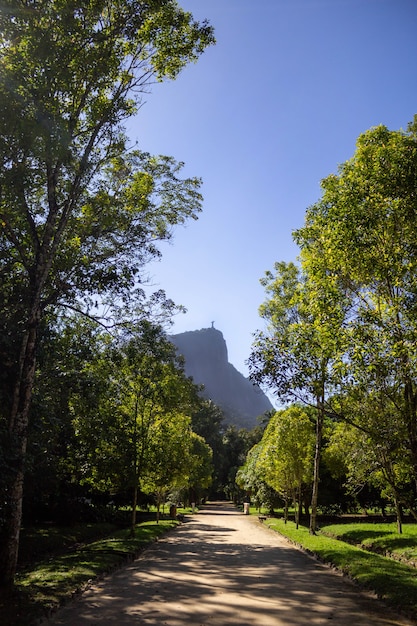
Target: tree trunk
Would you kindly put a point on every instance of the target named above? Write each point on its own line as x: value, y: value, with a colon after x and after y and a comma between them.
x: 399, y: 515
x: 297, y: 504
x: 294, y: 503
x: 410, y: 401
x: 413, y: 513
x: 17, y: 432
x: 134, y: 507
x: 9, y: 548
x: 317, y: 457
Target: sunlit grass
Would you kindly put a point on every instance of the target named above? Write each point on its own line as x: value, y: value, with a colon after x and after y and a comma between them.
x: 380, y: 537
x: 392, y: 581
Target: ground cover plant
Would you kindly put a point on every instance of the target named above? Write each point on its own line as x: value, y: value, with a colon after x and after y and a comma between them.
x: 392, y: 581
x: 382, y: 538
x: 41, y: 587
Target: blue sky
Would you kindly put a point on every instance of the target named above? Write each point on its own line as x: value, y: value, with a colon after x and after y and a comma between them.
x: 262, y: 117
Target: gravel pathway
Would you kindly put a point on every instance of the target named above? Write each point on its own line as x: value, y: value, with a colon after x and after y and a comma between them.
x: 222, y: 568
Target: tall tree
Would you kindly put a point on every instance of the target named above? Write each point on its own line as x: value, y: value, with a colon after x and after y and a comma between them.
x: 250, y: 479
x: 200, y: 469
x: 138, y: 433
x: 361, y: 237
x: 178, y: 459
x: 297, y: 353
x: 78, y: 214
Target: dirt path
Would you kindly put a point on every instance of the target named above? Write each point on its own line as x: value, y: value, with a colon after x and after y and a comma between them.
x: 222, y: 568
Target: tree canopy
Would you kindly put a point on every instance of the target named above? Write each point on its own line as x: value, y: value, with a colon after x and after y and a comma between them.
x: 361, y: 236
x: 80, y: 213
x: 344, y: 319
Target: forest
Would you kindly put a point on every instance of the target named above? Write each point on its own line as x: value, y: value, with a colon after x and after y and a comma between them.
x: 97, y: 415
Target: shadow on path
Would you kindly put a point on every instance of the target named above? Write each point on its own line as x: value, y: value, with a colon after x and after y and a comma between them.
x: 222, y: 568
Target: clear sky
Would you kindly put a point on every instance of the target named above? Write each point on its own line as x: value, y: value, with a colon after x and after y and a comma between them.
x: 262, y: 117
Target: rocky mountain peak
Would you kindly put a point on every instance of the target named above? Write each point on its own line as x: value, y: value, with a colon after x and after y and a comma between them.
x: 206, y: 361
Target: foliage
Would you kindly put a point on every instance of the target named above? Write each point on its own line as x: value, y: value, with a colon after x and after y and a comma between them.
x: 360, y: 238
x: 249, y: 479
x: 207, y: 421
x: 200, y: 470
x: 299, y: 353
x: 236, y: 445
x: 362, y: 460
x: 295, y: 354
x: 286, y: 450
x: 341, y: 327
x: 179, y: 458
x: 137, y: 432
x: 286, y: 454
x: 75, y: 202
x: 247, y: 476
x: 51, y: 479
x: 79, y: 212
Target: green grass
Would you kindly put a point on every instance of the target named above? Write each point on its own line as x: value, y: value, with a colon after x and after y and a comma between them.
x: 381, y: 538
x: 263, y: 510
x: 394, y: 582
x: 43, y: 587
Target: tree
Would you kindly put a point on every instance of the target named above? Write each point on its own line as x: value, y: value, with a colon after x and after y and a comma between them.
x: 79, y: 215
x: 250, y: 480
x: 207, y: 421
x: 285, y: 460
x: 361, y: 238
x: 169, y: 456
x: 366, y: 459
x: 137, y: 435
x: 68, y: 345
x: 236, y: 445
x: 247, y: 476
x: 299, y: 353
x: 180, y: 459
x: 200, y: 468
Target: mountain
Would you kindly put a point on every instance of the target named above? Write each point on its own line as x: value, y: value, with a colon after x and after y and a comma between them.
x: 206, y: 361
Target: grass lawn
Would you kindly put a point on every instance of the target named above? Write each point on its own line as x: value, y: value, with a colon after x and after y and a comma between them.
x: 381, y: 538
x: 44, y: 586
x: 392, y: 581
